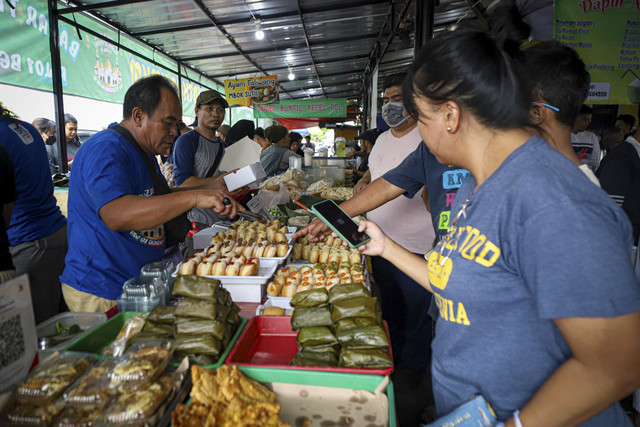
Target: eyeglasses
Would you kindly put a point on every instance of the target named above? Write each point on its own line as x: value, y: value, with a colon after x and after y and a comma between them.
x: 450, y: 240
x: 551, y: 107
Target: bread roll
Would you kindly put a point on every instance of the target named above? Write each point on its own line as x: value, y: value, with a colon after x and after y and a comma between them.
x: 289, y: 290
x: 314, y: 255
x: 297, y: 250
x: 329, y: 240
x: 282, y: 249
x: 250, y: 268
x: 218, y: 268
x: 280, y: 238
x: 270, y: 251
x: 248, y: 250
x: 258, y: 250
x: 324, y: 254
x: 233, y: 269
x: 304, y: 287
x: 306, y: 250
x: 188, y: 267
x: 274, y: 289
x: 204, y: 269
x: 273, y: 311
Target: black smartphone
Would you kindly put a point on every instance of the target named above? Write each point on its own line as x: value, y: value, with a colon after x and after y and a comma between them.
x: 340, y: 223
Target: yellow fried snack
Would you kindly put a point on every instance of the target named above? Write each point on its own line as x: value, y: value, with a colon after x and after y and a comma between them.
x: 227, y: 398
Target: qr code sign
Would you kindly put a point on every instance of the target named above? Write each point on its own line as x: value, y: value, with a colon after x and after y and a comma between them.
x: 12, y: 345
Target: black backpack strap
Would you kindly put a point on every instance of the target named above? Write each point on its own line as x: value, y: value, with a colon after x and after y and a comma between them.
x: 216, y: 162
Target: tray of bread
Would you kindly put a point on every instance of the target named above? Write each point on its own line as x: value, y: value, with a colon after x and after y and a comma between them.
x: 236, y: 269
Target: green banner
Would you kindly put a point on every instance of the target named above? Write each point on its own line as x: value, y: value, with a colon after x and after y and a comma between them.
x: 93, y: 66
x: 310, y: 108
x: 606, y: 35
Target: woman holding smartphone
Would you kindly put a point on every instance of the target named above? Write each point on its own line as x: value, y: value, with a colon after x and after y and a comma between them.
x: 539, y: 306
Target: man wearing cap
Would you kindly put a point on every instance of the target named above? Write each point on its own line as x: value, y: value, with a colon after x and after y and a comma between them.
x: 275, y: 158
x: 197, y: 154
x: 223, y: 130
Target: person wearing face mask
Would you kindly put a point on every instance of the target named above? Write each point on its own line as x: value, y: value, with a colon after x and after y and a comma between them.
x: 404, y: 303
x: 47, y: 129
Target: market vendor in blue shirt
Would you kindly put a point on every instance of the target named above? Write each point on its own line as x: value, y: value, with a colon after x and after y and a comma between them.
x: 116, y: 213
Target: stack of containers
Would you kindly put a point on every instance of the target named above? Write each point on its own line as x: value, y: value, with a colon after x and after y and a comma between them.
x: 202, y: 323
x: 148, y: 290
x: 339, y: 327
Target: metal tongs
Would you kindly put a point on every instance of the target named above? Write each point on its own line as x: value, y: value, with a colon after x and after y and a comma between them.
x: 249, y: 215
x: 252, y: 216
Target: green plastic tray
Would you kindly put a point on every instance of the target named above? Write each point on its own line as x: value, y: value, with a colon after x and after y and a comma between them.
x: 323, y: 379
x: 101, y: 336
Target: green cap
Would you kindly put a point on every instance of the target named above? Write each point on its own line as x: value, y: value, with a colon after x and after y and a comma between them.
x: 208, y: 96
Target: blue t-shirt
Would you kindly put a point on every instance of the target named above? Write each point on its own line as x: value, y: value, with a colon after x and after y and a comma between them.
x: 99, y: 259
x: 35, y: 212
x: 523, y: 256
x: 421, y: 168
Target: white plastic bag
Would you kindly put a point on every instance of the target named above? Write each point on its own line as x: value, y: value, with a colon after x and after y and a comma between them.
x: 271, y: 199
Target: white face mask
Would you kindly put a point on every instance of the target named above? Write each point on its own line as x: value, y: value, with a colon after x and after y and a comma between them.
x: 393, y: 114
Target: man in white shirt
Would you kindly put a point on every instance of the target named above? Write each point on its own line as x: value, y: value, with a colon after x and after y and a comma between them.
x: 585, y: 143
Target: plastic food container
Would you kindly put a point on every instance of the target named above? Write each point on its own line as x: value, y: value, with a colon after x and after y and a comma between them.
x: 162, y: 270
x: 329, y: 398
x: 269, y: 342
x: 141, y: 364
x: 248, y: 288
x: 86, y: 321
x: 99, y: 338
x: 140, y: 296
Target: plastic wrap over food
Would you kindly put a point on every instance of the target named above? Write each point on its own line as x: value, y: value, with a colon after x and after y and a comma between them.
x: 141, y: 364
x: 52, y: 378
x: 140, y: 404
x: 92, y: 387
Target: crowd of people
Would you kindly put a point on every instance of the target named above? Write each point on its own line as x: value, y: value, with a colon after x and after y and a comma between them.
x: 503, y: 239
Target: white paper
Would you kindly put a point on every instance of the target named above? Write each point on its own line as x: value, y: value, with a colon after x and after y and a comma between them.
x: 18, y: 339
x: 240, y: 154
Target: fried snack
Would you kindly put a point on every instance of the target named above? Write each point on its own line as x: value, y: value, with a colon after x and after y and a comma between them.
x: 227, y: 398
x: 273, y: 311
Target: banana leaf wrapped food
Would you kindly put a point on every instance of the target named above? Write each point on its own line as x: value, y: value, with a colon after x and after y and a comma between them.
x: 364, y: 358
x: 158, y: 328
x: 162, y: 314
x: 223, y: 312
x: 191, y: 307
x: 198, y: 344
x: 356, y: 307
x: 224, y: 297
x: 195, y: 326
x: 196, y: 359
x: 347, y: 290
x: 299, y: 361
x: 233, y: 316
x: 310, y: 298
x: 312, y: 316
x: 315, y: 336
x: 325, y: 357
x: 331, y: 348
x: 198, y: 287
x: 355, y: 322
x: 364, y: 336
x: 143, y: 336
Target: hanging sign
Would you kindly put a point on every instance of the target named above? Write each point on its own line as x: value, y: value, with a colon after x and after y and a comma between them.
x: 253, y: 91
x: 606, y: 35
x: 301, y: 108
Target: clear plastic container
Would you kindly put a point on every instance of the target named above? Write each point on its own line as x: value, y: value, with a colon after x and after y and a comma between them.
x: 139, y: 296
x: 141, y: 364
x: 52, y: 378
x: 162, y: 270
x: 91, y: 388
